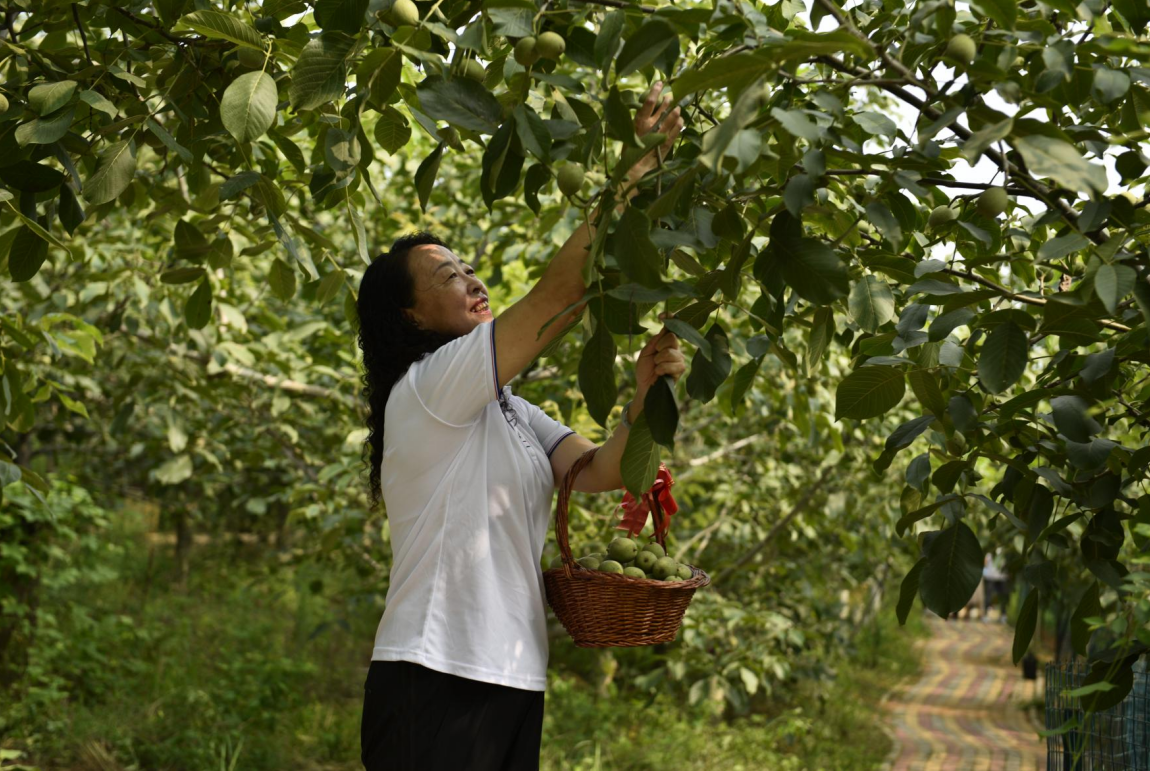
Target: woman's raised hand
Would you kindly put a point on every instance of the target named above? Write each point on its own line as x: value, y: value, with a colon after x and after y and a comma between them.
x: 660, y: 356
x: 654, y: 116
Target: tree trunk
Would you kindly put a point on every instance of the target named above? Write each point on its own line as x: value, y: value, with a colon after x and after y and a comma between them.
x: 183, y: 547
x: 283, y: 532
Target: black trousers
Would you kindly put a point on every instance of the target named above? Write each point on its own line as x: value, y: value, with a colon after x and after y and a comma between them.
x: 418, y: 719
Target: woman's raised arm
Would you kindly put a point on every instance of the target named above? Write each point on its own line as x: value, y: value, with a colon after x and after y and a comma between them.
x: 517, y: 338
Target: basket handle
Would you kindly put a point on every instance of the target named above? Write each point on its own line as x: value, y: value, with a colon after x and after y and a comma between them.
x: 565, y: 488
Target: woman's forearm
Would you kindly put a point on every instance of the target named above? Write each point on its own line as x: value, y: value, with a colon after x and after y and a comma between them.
x: 604, y: 466
x: 566, y: 268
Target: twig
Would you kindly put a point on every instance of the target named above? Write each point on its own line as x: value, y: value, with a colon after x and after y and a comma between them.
x: 83, y: 37
x: 618, y: 4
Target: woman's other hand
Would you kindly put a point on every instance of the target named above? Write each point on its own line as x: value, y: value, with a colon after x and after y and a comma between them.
x: 660, y: 356
x: 654, y: 116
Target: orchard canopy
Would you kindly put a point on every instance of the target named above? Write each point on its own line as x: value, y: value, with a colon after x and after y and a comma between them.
x: 908, y: 236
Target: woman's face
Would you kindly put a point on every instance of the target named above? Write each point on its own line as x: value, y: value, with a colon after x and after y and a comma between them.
x: 449, y: 297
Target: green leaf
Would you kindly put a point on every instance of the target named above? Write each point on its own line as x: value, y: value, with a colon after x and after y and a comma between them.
x: 812, y: 269
x: 943, y: 325
x: 986, y: 136
x: 1024, y: 627
x: 26, y: 254
x: 425, y: 175
x: 512, y: 18
x: 1059, y: 160
x: 742, y: 381
x: 640, y: 463
x: 392, y: 130
x: 806, y: 45
x: 379, y: 73
x: 198, y: 309
x: 869, y: 392
x: 1122, y: 680
x: 1071, y: 419
x: 1112, y: 283
x: 43, y: 131
x: 822, y: 330
x: 248, y: 108
x: 797, y: 124
x: 184, y: 275
x: 320, y: 73
x: 1003, y: 12
x: 925, y: 387
x: 619, y: 118
x: 1003, y: 358
x: 632, y: 248
x: 341, y: 150
x: 460, y: 101
x: 730, y: 135
x: 689, y: 332
x: 176, y: 470
x: 908, y: 590
x: 533, y: 133
x: 1109, y: 84
x: 222, y: 26
x: 70, y: 211
x: 169, y: 141
x: 329, y: 286
x: 909, y: 431
x: 644, y: 46
x: 281, y: 279
x: 607, y: 41
x: 871, y: 303
x: 953, y: 569
x: 732, y: 72
x: 1090, y: 606
x: 116, y: 168
x: 46, y: 98
x: 707, y: 375
x: 662, y: 412
x: 882, y: 218
x: 97, y: 101
x: 597, y: 374
x: 876, y: 123
x: 1057, y: 248
x: 343, y: 15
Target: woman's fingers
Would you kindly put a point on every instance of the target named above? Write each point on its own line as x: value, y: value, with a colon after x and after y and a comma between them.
x: 648, y: 106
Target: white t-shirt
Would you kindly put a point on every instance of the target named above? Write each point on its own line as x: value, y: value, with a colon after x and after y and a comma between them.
x: 468, y: 499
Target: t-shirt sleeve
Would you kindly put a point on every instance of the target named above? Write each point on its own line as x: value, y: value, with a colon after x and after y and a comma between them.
x: 548, y: 431
x: 456, y: 382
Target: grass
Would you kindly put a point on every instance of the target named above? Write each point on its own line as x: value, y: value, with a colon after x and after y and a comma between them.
x: 261, y: 666
x: 831, y: 724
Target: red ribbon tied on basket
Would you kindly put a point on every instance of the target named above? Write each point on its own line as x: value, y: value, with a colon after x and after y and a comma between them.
x: 635, y: 511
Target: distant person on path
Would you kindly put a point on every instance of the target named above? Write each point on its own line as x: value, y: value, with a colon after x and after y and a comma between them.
x: 467, y: 471
x: 994, y: 580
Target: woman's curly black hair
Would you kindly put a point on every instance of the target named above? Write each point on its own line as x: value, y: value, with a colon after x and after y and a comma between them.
x: 391, y: 342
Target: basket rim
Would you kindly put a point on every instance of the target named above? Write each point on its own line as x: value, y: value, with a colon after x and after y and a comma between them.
x: 699, y: 577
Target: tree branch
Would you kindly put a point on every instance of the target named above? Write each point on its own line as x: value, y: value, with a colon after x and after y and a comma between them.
x: 1037, y: 189
x: 1022, y: 298
x: 777, y: 528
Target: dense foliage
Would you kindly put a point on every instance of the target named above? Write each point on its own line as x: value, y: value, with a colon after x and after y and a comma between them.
x: 189, y: 192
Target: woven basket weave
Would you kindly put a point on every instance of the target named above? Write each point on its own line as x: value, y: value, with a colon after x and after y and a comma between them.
x: 604, y: 610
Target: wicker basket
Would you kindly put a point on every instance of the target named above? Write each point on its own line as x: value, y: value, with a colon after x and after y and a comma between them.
x: 603, y: 610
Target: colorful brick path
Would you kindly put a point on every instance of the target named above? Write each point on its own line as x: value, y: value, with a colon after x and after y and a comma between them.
x: 964, y: 713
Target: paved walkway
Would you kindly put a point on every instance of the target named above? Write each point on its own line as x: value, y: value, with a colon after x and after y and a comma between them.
x: 963, y: 714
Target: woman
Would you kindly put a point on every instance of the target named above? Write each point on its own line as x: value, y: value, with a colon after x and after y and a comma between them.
x: 467, y: 471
